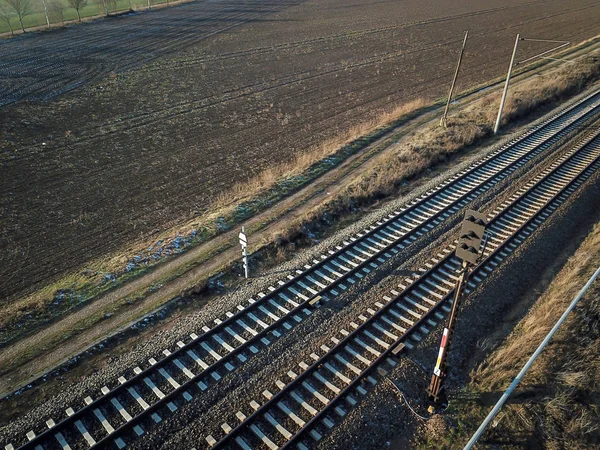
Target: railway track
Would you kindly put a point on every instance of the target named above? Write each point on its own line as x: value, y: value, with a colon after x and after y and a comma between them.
x: 202, y: 361
x: 320, y: 393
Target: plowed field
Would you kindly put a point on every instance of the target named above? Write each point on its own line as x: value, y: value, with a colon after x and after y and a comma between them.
x: 166, y: 109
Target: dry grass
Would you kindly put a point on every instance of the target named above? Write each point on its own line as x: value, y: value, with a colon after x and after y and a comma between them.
x: 225, y: 206
x: 567, y: 414
x: 435, y: 144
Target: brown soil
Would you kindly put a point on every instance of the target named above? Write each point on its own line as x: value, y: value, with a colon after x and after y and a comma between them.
x: 118, y: 161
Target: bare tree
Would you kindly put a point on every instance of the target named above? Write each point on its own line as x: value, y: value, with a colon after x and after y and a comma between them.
x: 57, y: 9
x: 22, y: 8
x: 45, y: 5
x: 105, y: 5
x: 77, y: 5
x: 5, y: 16
x: 102, y: 4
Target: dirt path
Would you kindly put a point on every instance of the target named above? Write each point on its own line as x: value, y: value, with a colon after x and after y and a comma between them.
x: 29, y: 358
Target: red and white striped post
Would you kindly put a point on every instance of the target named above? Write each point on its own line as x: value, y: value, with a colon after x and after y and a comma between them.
x: 438, y: 364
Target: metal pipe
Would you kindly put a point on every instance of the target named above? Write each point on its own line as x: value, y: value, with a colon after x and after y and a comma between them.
x: 528, y: 364
x: 512, y: 61
x: 542, y: 40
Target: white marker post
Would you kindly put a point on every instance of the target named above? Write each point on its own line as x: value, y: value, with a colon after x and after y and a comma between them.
x: 244, y: 244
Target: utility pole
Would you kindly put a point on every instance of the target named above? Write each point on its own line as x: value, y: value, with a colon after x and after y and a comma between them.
x: 467, y: 249
x: 45, y: 4
x: 512, y: 61
x: 244, y: 244
x: 444, y: 122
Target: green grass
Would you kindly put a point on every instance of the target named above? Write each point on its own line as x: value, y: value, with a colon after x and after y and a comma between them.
x: 38, y: 18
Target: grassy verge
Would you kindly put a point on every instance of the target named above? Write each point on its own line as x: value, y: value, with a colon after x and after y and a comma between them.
x: 556, y: 404
x: 240, y: 203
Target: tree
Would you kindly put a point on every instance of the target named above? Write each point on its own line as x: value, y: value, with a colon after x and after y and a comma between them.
x: 77, y: 5
x: 105, y: 5
x: 5, y: 15
x: 22, y: 8
x: 45, y: 5
x: 57, y: 9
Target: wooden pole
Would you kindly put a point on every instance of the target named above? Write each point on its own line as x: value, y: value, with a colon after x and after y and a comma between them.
x: 444, y: 122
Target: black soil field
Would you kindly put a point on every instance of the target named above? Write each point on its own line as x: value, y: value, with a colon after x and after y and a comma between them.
x: 167, y: 109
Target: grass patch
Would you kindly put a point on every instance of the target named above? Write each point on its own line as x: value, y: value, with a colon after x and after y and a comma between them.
x: 564, y: 411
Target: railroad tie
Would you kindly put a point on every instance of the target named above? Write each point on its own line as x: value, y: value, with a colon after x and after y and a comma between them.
x: 349, y: 365
x: 384, y: 331
x: 285, y: 298
x: 314, y: 434
x: 286, y: 410
x: 81, y: 428
x: 315, y: 393
x: 115, y: 402
x: 107, y: 426
x: 282, y: 430
x: 59, y: 436
x: 357, y: 355
x: 337, y: 373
